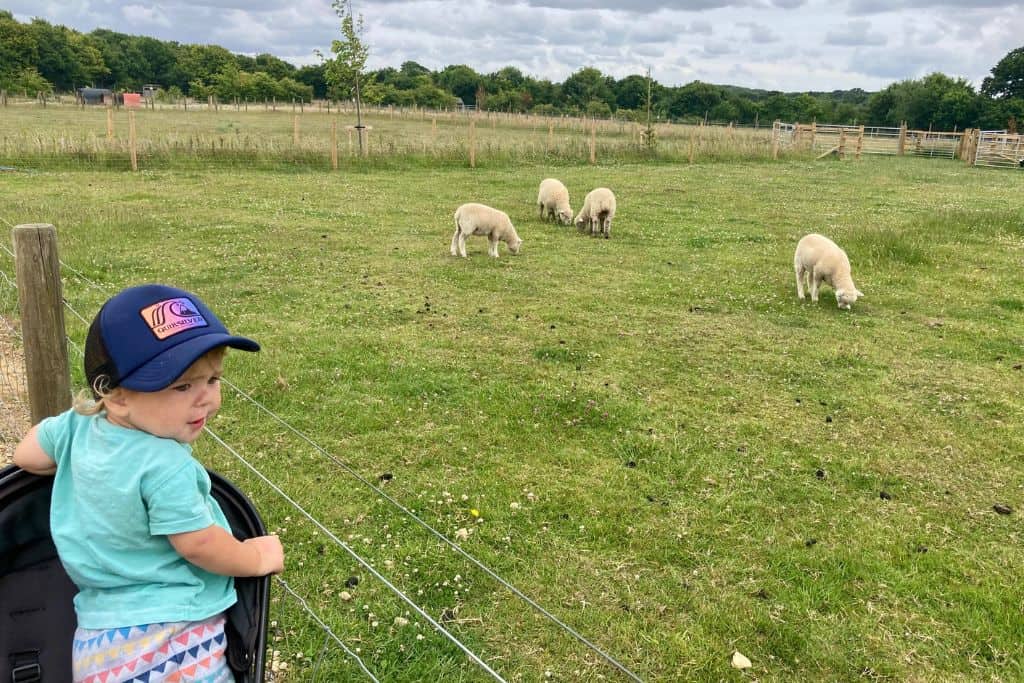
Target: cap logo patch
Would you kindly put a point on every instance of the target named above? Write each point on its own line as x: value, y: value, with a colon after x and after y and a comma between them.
x: 169, y: 317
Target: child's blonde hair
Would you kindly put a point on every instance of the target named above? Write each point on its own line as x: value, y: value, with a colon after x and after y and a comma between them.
x: 90, y: 401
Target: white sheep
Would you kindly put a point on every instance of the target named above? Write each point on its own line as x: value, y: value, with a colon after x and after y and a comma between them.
x: 821, y: 260
x: 553, y: 201
x: 597, y: 212
x: 478, y: 219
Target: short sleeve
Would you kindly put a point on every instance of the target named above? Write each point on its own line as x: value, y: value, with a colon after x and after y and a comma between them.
x: 54, y: 435
x: 178, y: 504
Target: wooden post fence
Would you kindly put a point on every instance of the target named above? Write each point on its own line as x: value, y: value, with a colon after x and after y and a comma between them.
x: 776, y: 131
x: 334, y: 145
x: 860, y: 142
x: 901, y: 145
x: 131, y: 141
x: 841, y: 149
x: 40, y: 300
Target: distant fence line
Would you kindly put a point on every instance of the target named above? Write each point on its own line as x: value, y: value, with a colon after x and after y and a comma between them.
x: 97, y: 134
x: 166, y: 139
x: 998, y: 149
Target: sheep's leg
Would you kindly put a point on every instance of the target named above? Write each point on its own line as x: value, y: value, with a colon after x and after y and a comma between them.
x: 607, y: 228
x: 492, y: 247
x: 542, y: 212
x: 455, y: 242
x: 815, y: 281
x: 799, y: 282
x: 462, y: 244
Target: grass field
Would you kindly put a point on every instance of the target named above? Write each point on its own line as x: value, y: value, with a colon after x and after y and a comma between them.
x: 665, y: 448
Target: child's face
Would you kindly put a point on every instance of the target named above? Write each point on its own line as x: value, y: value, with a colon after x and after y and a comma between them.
x: 177, y: 412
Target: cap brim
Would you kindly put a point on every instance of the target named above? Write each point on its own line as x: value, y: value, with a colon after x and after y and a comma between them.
x: 160, y: 372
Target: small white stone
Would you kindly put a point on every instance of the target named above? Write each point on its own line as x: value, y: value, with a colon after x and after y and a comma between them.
x: 740, y: 661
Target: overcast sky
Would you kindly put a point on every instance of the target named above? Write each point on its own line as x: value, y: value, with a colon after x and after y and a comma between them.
x: 789, y: 45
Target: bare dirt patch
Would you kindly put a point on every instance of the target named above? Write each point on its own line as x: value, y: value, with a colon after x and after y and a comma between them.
x: 14, y: 411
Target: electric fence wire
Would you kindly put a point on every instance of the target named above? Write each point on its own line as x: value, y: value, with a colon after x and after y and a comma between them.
x: 328, y: 633
x: 366, y: 565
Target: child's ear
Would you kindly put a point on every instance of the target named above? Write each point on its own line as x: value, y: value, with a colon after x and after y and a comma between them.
x: 116, y: 402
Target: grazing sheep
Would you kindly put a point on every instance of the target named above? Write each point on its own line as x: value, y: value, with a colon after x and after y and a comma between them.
x: 477, y: 219
x: 821, y: 260
x: 553, y: 201
x: 597, y: 212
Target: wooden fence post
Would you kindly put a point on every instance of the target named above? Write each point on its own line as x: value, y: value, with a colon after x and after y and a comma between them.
x: 334, y: 145
x: 841, y: 150
x: 40, y: 300
x: 593, y: 141
x: 901, y: 145
x: 860, y: 142
x: 776, y: 132
x: 132, y: 152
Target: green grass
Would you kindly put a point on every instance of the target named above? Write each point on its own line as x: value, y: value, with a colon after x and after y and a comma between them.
x: 696, y: 456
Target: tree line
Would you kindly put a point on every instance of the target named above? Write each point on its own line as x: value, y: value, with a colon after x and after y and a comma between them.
x: 41, y: 57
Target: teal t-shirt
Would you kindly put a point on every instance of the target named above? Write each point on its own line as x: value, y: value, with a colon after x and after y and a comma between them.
x: 117, y: 494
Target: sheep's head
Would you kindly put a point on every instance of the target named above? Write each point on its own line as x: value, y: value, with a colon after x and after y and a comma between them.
x: 565, y: 216
x: 845, y: 298
x: 515, y: 244
x: 582, y: 221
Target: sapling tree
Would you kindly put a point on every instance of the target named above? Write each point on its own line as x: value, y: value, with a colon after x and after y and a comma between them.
x: 343, y: 71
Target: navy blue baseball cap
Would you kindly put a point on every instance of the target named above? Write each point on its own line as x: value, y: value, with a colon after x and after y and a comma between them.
x: 146, y: 337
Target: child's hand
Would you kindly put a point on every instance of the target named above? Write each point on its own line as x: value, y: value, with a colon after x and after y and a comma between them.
x: 271, y: 554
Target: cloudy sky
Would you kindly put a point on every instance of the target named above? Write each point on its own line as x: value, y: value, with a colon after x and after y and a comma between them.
x: 789, y: 45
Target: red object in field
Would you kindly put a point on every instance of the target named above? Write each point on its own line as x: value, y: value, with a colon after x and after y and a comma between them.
x: 132, y: 99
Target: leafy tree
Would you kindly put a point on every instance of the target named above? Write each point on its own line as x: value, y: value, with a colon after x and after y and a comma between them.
x: 631, y: 92
x: 277, y: 68
x: 18, y: 47
x: 344, y: 71
x: 598, y: 109
x: 313, y: 76
x: 203, y: 62
x: 695, y: 99
x: 26, y: 80
x: 461, y: 81
x: 1007, y: 79
x: 586, y: 85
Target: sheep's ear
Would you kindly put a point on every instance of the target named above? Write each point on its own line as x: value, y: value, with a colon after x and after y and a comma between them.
x: 860, y: 294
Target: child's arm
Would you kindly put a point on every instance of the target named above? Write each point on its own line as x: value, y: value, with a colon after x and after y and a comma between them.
x: 31, y: 457
x: 217, y: 551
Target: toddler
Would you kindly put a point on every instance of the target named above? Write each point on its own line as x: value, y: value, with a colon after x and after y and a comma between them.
x: 131, y: 513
